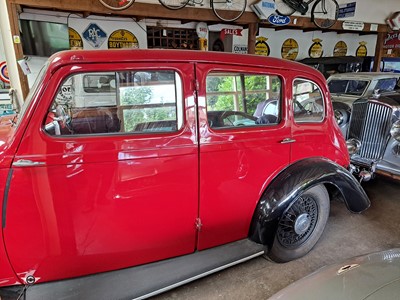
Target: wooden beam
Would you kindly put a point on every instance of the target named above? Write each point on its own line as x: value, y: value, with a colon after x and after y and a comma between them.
x: 251, y: 38
x: 378, y: 51
x: 305, y: 24
x: 142, y: 10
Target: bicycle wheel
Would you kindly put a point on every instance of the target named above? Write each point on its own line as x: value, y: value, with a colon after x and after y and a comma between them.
x: 228, y: 10
x: 174, y: 4
x: 324, y: 13
x: 283, y: 9
x: 117, y: 4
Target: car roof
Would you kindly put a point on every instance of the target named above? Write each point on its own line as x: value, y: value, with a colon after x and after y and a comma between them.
x: 153, y: 55
x: 364, y: 75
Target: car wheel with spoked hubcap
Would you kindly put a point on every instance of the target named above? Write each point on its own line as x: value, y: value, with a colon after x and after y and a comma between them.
x: 301, y: 225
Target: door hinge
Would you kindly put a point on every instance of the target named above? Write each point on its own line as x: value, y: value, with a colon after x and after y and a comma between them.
x: 198, y: 224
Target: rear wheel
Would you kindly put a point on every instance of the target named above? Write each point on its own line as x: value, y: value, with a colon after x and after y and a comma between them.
x: 228, y: 10
x: 117, y: 4
x: 325, y: 13
x: 174, y: 4
x: 301, y: 225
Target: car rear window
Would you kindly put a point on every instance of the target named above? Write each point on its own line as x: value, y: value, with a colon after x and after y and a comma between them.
x: 238, y: 99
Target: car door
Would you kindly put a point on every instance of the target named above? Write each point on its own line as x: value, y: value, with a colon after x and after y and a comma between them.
x: 106, y: 176
x: 241, y: 149
x: 310, y: 128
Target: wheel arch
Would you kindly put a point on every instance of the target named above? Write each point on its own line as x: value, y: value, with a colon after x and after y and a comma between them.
x: 291, y: 182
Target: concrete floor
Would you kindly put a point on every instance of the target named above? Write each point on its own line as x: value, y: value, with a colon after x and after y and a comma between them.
x: 345, y: 235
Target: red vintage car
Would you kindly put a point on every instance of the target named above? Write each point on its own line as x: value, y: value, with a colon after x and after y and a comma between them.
x: 130, y: 172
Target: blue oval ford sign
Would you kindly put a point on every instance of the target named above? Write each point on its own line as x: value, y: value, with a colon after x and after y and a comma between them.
x: 278, y: 20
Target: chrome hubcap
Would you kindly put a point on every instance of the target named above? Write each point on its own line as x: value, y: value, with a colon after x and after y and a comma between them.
x: 302, y: 223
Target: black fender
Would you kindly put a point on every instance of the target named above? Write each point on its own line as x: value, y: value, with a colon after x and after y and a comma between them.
x: 291, y: 182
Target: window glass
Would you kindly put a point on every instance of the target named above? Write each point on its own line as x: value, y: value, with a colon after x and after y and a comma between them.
x: 386, y: 84
x: 308, y: 102
x: 117, y: 102
x: 348, y: 87
x: 235, y: 99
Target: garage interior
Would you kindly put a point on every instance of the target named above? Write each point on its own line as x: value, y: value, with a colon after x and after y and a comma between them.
x: 346, y: 235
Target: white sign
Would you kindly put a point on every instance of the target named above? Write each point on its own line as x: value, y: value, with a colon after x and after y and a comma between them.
x: 353, y: 25
x: 24, y: 66
x: 242, y: 49
x: 202, y: 30
x: 263, y: 8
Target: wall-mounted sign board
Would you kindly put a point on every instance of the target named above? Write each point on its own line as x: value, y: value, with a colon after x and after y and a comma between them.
x: 347, y: 10
x: 353, y: 25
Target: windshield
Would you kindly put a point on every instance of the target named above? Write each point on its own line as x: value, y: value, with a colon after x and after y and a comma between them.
x: 32, y: 91
x: 348, y: 87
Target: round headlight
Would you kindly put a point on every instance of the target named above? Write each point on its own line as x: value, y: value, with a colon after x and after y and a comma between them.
x: 395, y: 130
x: 341, y: 116
x: 353, y: 145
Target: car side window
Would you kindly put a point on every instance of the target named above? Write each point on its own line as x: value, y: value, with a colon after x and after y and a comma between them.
x: 117, y: 102
x: 386, y: 84
x: 308, y: 102
x: 238, y: 99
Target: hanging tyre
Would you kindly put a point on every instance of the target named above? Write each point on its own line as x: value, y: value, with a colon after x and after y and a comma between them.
x: 301, y: 225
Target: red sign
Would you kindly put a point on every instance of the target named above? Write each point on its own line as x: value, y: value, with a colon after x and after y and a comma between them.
x: 392, y: 41
x: 4, y: 72
x: 229, y: 31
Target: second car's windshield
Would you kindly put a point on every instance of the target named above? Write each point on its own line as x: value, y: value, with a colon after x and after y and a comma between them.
x: 349, y: 87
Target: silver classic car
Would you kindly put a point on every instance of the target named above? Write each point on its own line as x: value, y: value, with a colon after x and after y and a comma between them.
x: 373, y: 136
x: 375, y: 276
x: 345, y: 88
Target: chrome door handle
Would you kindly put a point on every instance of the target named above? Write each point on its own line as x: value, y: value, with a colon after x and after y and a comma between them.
x: 27, y: 163
x: 287, y: 141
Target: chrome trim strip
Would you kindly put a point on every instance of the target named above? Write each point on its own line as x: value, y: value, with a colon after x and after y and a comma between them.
x: 199, y: 276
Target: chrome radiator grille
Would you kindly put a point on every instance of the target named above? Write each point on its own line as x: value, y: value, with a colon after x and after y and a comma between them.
x: 370, y: 123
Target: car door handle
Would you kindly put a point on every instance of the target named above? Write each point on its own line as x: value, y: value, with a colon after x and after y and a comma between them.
x: 27, y: 163
x: 287, y: 141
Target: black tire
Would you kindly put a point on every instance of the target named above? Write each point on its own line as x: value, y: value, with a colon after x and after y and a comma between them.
x: 117, y: 5
x: 301, y: 225
x: 228, y: 10
x: 174, y: 4
x: 325, y: 13
x: 283, y: 9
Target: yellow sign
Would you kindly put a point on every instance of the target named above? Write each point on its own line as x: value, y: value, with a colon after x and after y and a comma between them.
x: 340, y: 49
x: 290, y: 49
x: 362, y: 49
x: 75, y: 40
x: 122, y: 38
x: 316, y: 49
x: 262, y: 47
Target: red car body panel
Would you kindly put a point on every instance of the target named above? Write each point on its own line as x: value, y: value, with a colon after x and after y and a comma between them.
x: 115, y: 212
x: 234, y: 158
x: 104, y: 203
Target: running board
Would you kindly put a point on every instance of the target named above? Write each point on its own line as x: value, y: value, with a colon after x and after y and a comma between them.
x: 148, y: 280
